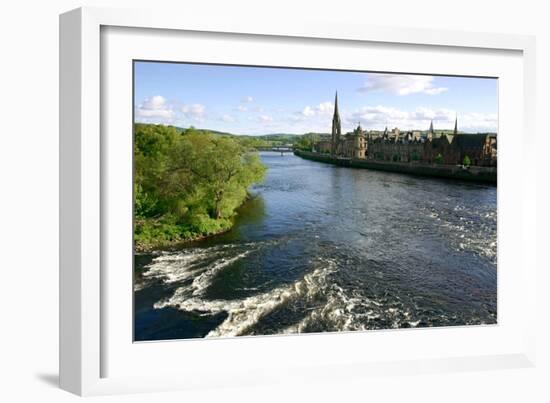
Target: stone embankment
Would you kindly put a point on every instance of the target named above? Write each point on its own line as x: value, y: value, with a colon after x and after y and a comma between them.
x: 471, y: 173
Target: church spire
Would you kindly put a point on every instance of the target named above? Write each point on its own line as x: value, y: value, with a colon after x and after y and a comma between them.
x: 336, y: 127
x: 456, y: 125
x: 431, y: 127
x: 336, y: 117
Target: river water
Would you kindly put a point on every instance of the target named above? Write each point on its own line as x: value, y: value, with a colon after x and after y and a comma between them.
x: 325, y: 248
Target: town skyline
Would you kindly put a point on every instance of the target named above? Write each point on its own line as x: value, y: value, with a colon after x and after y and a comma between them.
x: 259, y: 100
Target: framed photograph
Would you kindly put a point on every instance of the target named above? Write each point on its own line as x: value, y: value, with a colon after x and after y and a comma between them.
x: 243, y: 202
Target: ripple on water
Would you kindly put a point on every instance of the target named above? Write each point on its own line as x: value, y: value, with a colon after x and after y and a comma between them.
x: 334, y: 249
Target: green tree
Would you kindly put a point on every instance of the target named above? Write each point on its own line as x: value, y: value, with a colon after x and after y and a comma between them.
x: 307, y: 141
x: 466, y: 161
x: 252, y: 143
x: 188, y: 184
x: 438, y: 159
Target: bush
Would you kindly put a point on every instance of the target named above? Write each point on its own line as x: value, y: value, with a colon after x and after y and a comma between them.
x: 187, y: 185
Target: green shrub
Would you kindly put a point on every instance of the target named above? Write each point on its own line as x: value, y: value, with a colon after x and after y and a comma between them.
x: 188, y: 184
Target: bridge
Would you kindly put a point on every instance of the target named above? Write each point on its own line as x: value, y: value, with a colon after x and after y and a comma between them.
x: 281, y: 149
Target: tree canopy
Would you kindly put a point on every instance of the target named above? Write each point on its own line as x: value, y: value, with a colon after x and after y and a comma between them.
x: 306, y: 141
x: 188, y: 183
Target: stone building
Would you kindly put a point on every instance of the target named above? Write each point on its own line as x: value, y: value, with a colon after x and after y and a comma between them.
x: 350, y: 145
x: 480, y: 148
x: 322, y: 147
x: 355, y: 143
x: 409, y: 146
x: 396, y: 146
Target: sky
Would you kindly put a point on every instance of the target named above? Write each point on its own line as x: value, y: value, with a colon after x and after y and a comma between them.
x: 261, y: 100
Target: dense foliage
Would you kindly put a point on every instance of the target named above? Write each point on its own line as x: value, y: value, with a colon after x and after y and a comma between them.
x: 188, y: 183
x: 306, y: 141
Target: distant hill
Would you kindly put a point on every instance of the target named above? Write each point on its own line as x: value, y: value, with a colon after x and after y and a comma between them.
x: 266, y: 139
x: 182, y: 129
x: 292, y: 138
x: 277, y: 135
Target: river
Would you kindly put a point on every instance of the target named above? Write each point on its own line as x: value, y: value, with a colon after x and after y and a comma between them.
x: 325, y: 248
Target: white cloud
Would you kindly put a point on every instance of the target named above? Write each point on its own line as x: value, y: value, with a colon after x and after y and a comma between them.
x: 193, y: 111
x: 248, y: 108
x: 435, y: 91
x: 478, y: 122
x: 323, y: 109
x: 379, y: 114
x: 307, y: 111
x: 155, y: 108
x: 156, y: 102
x: 401, y: 84
x: 377, y: 117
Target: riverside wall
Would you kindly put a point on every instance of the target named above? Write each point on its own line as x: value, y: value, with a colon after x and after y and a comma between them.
x: 472, y: 173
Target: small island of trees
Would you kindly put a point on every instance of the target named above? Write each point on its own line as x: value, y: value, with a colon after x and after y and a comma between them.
x: 188, y: 183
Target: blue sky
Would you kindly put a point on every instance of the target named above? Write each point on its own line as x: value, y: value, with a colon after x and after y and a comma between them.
x: 257, y: 100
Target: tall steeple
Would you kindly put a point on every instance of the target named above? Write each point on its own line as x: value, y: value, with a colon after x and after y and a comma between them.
x: 455, y: 132
x: 431, y: 131
x: 336, y: 127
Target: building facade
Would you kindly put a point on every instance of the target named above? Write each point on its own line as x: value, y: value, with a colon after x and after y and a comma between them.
x: 410, y: 146
x: 350, y: 145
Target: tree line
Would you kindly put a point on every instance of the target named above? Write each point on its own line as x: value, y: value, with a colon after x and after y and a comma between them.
x: 188, y: 183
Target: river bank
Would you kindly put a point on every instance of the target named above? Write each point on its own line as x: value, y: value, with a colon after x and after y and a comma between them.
x: 472, y: 173
x: 184, y: 238
x: 143, y: 247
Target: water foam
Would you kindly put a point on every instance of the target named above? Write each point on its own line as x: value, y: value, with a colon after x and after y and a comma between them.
x: 173, y: 267
x: 204, y: 280
x: 327, y: 304
x: 470, y: 232
x: 351, y: 311
x: 245, y: 313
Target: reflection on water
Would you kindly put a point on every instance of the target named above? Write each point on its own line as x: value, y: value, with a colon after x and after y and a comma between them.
x: 324, y: 248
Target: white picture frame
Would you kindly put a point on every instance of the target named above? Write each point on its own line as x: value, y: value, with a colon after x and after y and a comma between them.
x: 84, y: 177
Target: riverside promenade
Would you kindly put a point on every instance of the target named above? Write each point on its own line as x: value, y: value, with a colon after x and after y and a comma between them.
x: 471, y: 173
